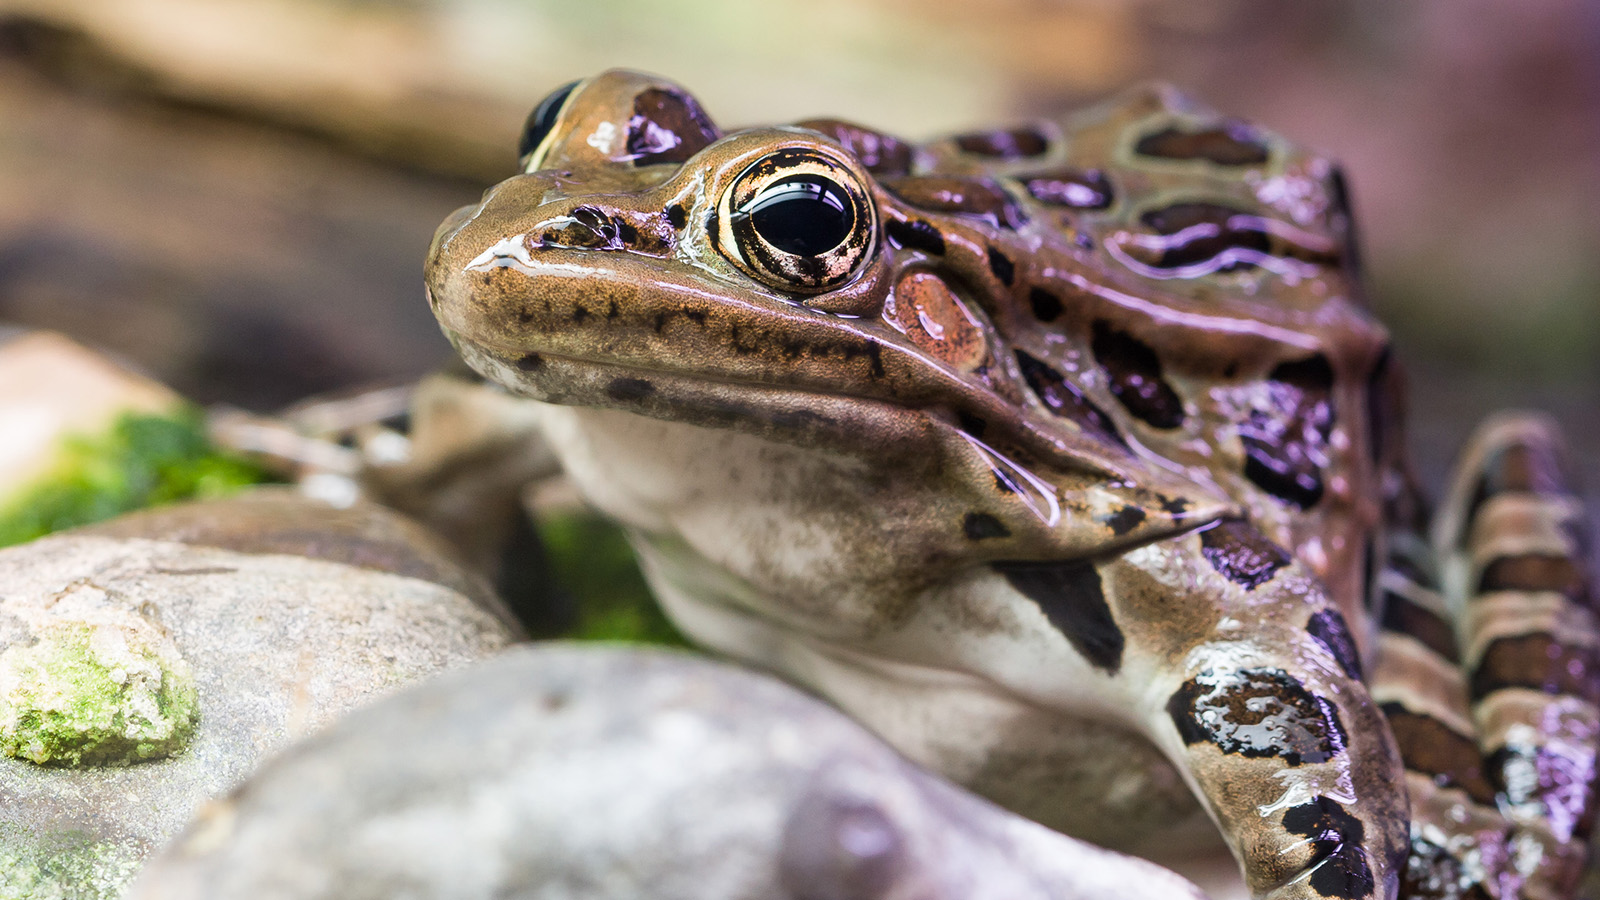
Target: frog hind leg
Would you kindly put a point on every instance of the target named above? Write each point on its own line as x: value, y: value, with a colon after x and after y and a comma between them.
x: 1512, y: 540
x: 1458, y: 838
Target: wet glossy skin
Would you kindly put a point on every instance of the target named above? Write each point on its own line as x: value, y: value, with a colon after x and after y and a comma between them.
x: 1049, y: 453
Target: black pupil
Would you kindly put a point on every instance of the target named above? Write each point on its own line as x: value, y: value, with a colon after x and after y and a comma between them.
x: 542, y: 119
x: 806, y: 215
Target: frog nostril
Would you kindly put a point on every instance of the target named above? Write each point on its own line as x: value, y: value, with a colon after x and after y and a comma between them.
x: 584, y: 228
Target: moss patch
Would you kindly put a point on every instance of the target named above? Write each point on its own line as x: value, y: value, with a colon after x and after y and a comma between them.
x: 63, y: 867
x: 143, y: 460
x: 95, y: 694
x: 591, y: 559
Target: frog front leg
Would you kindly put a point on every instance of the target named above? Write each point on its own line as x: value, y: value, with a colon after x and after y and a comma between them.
x: 1246, y: 677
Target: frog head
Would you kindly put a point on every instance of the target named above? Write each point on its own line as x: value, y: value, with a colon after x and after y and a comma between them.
x: 985, y: 309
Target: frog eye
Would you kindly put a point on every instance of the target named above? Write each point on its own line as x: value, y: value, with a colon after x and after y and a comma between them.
x: 798, y: 220
x: 541, y: 120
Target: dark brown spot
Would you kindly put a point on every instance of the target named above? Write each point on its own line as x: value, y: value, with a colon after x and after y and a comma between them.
x: 872, y: 350
x: 1232, y: 143
x: 982, y: 526
x: 1329, y: 630
x: 1135, y: 377
x: 667, y: 127
x: 1016, y: 143
x: 676, y: 217
x: 1221, y: 238
x: 532, y: 362
x: 879, y: 152
x: 1536, y: 662
x: 1199, y: 233
x: 1285, y: 444
x: 916, y: 235
x: 1431, y: 747
x: 975, y: 196
x: 629, y: 389
x: 1002, y: 267
x: 1242, y: 554
x: 1257, y: 713
x: 1046, y: 306
x: 1537, y: 572
x: 1072, y: 188
x: 1339, y: 866
x: 1424, y: 625
x: 1065, y: 399
x: 580, y: 314
x: 1124, y: 520
x: 1073, y: 600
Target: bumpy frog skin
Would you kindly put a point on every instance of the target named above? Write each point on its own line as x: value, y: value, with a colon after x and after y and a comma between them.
x: 1068, y: 458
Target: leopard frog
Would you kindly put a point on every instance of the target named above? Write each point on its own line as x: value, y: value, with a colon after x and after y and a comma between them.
x: 1067, y: 457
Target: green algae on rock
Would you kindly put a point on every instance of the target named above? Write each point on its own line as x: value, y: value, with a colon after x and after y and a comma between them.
x: 108, y: 692
x: 267, y: 631
x: 143, y: 460
x: 68, y: 865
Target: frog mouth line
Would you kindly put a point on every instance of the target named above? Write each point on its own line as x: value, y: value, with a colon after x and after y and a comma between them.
x: 704, y: 399
x: 785, y: 411
x: 807, y: 416
x: 818, y: 414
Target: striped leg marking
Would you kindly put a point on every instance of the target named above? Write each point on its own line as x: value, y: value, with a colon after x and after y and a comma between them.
x: 1458, y: 840
x: 1512, y: 539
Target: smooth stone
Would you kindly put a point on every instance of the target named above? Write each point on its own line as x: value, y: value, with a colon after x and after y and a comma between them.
x: 583, y: 772
x: 280, y: 613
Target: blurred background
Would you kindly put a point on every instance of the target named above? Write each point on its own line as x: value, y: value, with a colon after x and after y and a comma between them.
x: 236, y: 195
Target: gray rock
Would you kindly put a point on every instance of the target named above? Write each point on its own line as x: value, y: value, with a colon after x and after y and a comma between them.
x: 587, y: 772
x: 151, y: 663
